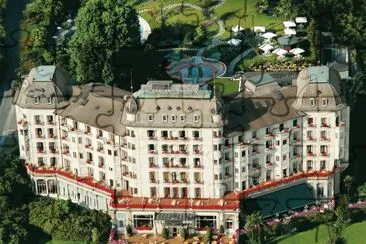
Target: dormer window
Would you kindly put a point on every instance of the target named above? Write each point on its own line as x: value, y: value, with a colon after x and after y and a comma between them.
x: 196, y: 118
x: 174, y: 118
x: 49, y: 100
x: 151, y: 118
x: 312, y: 102
x: 36, y: 99
x: 324, y: 102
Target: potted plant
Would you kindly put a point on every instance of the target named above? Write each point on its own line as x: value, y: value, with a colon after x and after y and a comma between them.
x: 222, y: 229
x: 209, y: 235
x: 183, y: 233
x: 165, y: 233
x: 128, y: 230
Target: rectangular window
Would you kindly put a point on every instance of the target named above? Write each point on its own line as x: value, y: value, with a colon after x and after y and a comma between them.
x: 165, y: 118
x: 174, y: 118
x: 182, y: 118
x: 294, y: 122
x: 203, y: 221
x: 310, y: 121
x: 143, y: 220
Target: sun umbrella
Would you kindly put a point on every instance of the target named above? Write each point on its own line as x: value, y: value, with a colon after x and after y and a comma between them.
x: 280, y: 51
x: 234, y: 42
x: 289, y: 24
x: 259, y: 29
x: 269, y: 35
x: 297, y: 51
x: 237, y: 28
x: 289, y: 32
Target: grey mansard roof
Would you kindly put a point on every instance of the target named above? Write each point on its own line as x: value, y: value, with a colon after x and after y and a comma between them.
x: 318, y: 83
x: 253, y: 111
x: 45, y: 82
x: 98, y: 105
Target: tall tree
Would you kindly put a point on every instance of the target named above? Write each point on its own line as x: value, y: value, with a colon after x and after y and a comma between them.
x: 255, y: 228
x: 104, y: 29
x: 348, y: 180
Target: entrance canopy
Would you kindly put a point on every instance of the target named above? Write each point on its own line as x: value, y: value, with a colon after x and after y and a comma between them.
x: 175, y: 218
x: 280, y: 201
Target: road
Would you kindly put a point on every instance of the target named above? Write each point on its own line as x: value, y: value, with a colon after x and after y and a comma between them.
x: 13, y: 15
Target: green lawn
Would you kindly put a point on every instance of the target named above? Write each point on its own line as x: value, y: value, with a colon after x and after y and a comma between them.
x: 226, y: 86
x: 233, y: 10
x: 230, y: 12
x: 353, y: 234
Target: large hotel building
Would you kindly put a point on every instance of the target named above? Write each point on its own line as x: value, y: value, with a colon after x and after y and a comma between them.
x: 178, y: 155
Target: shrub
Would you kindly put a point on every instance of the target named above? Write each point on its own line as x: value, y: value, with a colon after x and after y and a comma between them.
x: 222, y: 229
x: 183, y: 233
x: 209, y: 235
x: 129, y: 230
x: 165, y: 233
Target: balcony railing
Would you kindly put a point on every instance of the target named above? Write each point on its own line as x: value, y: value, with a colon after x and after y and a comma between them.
x: 269, y: 164
x: 324, y: 154
x: 324, y: 125
x: 152, y: 165
x: 197, y: 152
x: 53, y: 150
x: 269, y: 135
x: 310, y: 138
x: 311, y: 125
x: 197, y: 138
x: 53, y: 136
x: 153, y: 152
x: 175, y: 152
x: 311, y: 154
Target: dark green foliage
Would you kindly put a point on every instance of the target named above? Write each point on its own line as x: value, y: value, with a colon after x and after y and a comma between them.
x: 14, y: 191
x: 222, y: 229
x: 209, y: 235
x: 183, y: 233
x: 129, y: 229
x: 362, y: 191
x: 64, y: 220
x: 40, y: 19
x: 104, y: 29
x: 165, y: 233
x: 2, y: 30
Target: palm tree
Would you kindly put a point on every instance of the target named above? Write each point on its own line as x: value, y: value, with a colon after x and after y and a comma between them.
x: 255, y: 228
x: 348, y: 183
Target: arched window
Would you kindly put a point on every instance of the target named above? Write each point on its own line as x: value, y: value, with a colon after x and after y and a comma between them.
x: 41, y: 187
x: 312, y: 102
x: 324, y: 102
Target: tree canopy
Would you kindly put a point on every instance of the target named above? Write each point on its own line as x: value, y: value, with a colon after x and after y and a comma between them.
x: 2, y: 30
x: 40, y: 19
x: 22, y: 212
x: 104, y: 29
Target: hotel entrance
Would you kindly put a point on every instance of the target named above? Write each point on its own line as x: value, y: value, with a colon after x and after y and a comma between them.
x: 174, y: 222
